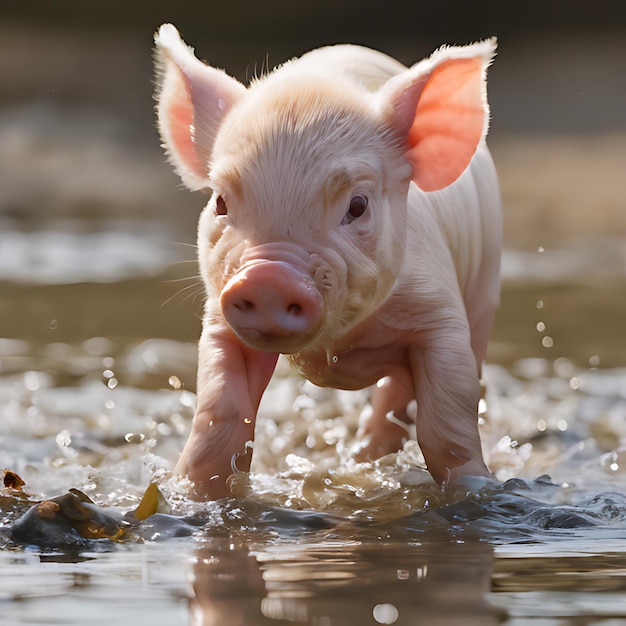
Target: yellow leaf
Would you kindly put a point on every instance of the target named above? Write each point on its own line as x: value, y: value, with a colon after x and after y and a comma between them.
x: 149, y: 503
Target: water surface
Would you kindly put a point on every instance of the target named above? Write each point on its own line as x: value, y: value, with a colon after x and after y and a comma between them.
x: 97, y: 393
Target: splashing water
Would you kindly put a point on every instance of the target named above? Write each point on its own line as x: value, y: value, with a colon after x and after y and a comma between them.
x: 310, y: 533
x: 111, y: 441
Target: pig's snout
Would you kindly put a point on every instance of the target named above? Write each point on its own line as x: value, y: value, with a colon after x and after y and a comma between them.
x: 273, y: 306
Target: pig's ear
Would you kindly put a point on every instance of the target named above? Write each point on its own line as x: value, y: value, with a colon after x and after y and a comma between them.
x: 439, y: 109
x: 192, y: 100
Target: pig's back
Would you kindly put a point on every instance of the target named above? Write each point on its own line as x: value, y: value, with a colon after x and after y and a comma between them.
x: 468, y: 214
x: 366, y: 67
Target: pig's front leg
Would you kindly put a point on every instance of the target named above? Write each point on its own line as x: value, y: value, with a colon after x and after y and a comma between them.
x: 231, y: 381
x: 448, y: 390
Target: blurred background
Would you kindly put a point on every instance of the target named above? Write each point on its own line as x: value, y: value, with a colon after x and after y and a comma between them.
x: 95, y: 229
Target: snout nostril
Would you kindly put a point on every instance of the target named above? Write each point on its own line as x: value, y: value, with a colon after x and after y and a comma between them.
x: 273, y: 306
x: 244, y: 306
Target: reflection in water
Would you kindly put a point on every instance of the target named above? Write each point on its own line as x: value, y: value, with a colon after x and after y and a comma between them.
x: 145, y: 585
x: 346, y: 584
x: 553, y: 588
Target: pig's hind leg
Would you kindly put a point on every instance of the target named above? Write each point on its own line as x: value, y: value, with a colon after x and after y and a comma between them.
x: 389, y: 424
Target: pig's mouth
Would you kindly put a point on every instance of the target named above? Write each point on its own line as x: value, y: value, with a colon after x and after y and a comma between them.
x: 270, y: 342
x: 273, y: 306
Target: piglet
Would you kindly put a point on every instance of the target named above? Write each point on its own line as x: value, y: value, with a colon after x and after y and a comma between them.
x: 354, y: 225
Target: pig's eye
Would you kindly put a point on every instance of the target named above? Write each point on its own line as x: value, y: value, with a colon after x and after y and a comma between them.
x: 220, y: 206
x: 357, y: 207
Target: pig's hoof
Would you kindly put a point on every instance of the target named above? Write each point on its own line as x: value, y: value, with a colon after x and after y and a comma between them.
x: 472, y: 469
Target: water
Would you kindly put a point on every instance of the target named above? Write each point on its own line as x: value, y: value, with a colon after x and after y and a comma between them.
x: 97, y: 392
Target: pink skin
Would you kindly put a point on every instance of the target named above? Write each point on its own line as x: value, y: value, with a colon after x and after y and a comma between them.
x: 232, y: 379
x: 401, y: 293
x: 270, y: 303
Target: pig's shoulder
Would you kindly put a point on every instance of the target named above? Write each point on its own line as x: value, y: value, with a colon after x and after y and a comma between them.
x: 365, y: 66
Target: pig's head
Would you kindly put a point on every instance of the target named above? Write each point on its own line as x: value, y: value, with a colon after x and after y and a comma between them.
x: 304, y: 234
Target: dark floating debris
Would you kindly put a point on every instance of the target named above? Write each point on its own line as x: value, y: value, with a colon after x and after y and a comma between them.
x: 74, y: 520
x: 12, y: 481
x: 71, y: 519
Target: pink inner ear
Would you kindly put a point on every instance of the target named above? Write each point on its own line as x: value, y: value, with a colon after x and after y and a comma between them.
x: 177, y: 123
x: 448, y: 123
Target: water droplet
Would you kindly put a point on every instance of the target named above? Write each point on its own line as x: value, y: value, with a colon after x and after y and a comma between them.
x: 386, y: 613
x: 96, y: 346
x: 134, y: 437
x: 541, y: 249
x: 188, y: 399
x: 298, y: 464
x: 247, y: 420
x: 328, y: 357
x: 112, y: 383
x: 547, y: 342
x: 594, y: 360
x: 540, y: 327
x: 539, y: 304
x: 109, y: 404
x: 411, y: 409
x: 175, y: 382
x: 574, y: 383
x: 150, y: 359
x: 64, y: 439
x: 108, y: 374
x: 164, y: 429
x: 542, y: 426
x: 335, y: 358
x: 563, y: 367
x: 31, y: 381
x: 108, y: 362
x: 562, y: 425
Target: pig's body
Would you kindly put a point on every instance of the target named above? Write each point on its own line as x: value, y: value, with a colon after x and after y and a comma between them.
x: 398, y: 291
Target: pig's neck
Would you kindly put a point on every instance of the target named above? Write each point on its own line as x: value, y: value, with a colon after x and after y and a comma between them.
x: 364, y: 355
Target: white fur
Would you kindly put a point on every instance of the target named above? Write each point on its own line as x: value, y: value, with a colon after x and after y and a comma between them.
x: 409, y: 289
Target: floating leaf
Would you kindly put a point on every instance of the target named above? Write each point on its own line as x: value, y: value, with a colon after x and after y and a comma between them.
x: 149, y: 503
